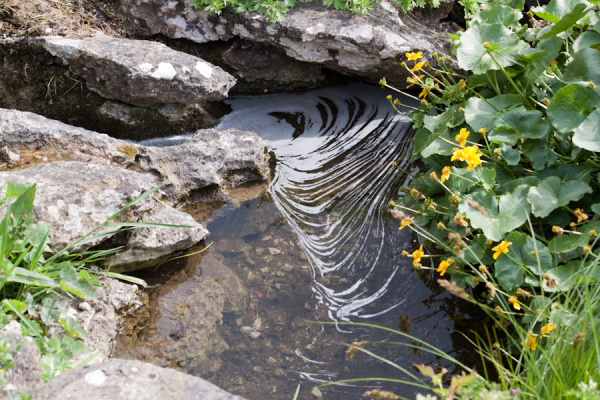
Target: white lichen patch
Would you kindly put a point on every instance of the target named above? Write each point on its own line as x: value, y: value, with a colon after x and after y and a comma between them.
x: 96, y: 378
x: 204, y: 69
x: 164, y: 71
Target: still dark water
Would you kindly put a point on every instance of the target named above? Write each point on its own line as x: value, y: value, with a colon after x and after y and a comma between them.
x: 317, y: 244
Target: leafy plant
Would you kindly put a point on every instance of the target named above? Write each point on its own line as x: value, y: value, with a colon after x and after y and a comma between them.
x: 33, y: 279
x: 510, y: 184
x: 275, y: 9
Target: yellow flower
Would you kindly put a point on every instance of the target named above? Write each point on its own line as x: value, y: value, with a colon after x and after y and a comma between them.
x: 515, y: 303
x: 406, y: 222
x: 472, y: 157
x: 444, y: 266
x: 531, y: 342
x: 416, y: 255
x: 445, y: 174
x: 414, y: 56
x: 418, y: 66
x: 425, y: 92
x: 501, y: 248
x: 546, y: 329
x: 461, y: 138
x: 414, y: 80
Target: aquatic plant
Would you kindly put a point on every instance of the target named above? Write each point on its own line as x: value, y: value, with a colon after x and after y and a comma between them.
x: 509, y: 188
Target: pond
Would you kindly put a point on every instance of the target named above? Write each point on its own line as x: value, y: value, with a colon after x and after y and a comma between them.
x: 293, y: 260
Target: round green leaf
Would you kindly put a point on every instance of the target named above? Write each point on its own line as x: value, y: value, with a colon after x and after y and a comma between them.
x: 571, y: 105
x: 518, y: 123
x: 524, y: 252
x: 551, y: 194
x: 479, y: 113
x: 586, y: 40
x: 584, y: 67
x: 504, y: 45
x: 587, y: 135
x: 496, y: 215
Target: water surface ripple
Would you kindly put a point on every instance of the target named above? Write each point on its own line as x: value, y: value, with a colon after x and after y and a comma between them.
x: 334, y: 177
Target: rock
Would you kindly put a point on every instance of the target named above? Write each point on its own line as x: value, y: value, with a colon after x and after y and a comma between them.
x: 9, y: 156
x: 118, y: 379
x: 207, y: 159
x: 74, y: 198
x: 261, y: 66
x: 27, y: 369
x: 100, y: 316
x: 184, y: 333
x: 33, y: 135
x: 148, y: 246
x: 371, y: 45
x: 140, y: 72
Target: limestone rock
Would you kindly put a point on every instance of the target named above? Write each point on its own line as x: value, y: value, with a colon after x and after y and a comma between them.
x: 148, y: 246
x: 206, y: 159
x: 140, y: 72
x: 371, y: 45
x: 74, y: 198
x: 118, y: 379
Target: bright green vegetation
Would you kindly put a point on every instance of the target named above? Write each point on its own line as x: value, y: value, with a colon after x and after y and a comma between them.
x: 33, y: 280
x: 510, y: 195
x: 275, y: 9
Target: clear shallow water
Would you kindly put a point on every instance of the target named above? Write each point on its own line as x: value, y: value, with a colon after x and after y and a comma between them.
x: 316, y: 244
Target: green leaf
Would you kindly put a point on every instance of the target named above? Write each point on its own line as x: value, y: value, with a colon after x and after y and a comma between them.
x: 567, y: 21
x: 503, y: 14
x: 510, y: 155
x: 478, y: 251
x: 586, y: 40
x: 18, y: 305
x: 518, y: 123
x: 567, y: 242
x: 73, y: 327
x: 558, y: 9
x: 587, y: 135
x: 31, y: 278
x: 524, y: 252
x: 439, y: 146
x: 568, y: 172
x: 487, y: 176
x: 538, y: 153
x: 16, y: 189
x: 473, y: 56
x: 479, y: 113
x: 71, y: 282
x: 551, y: 194
x: 75, y: 347
x: 571, y: 105
x: 584, y: 67
x: 501, y: 214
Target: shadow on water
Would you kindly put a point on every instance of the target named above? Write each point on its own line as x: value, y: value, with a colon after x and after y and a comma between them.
x: 315, y: 244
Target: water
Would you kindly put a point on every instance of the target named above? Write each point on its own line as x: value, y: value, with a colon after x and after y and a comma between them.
x: 316, y: 244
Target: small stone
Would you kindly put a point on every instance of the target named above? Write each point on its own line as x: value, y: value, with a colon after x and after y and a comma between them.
x: 273, y: 251
x: 257, y: 325
x: 316, y: 392
x: 267, y: 238
x: 287, y: 268
x: 280, y: 273
x: 254, y: 335
x: 83, y: 306
x: 259, y: 250
x: 264, y: 270
x: 9, y: 156
x: 271, y: 360
x: 246, y: 329
x: 257, y: 369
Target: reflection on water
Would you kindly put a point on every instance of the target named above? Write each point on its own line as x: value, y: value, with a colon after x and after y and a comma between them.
x: 318, y: 245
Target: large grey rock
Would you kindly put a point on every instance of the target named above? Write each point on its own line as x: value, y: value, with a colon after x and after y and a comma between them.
x: 73, y: 198
x: 140, y: 72
x: 206, y: 159
x: 371, y: 45
x: 129, y: 380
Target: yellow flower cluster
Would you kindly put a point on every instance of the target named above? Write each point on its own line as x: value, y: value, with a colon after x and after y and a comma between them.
x: 444, y: 266
x: 445, y: 174
x: 406, y: 222
x: 414, y: 56
x: 469, y: 154
x: 461, y: 138
x: 416, y: 255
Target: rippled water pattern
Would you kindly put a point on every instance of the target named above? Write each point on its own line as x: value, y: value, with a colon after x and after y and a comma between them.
x: 333, y: 180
